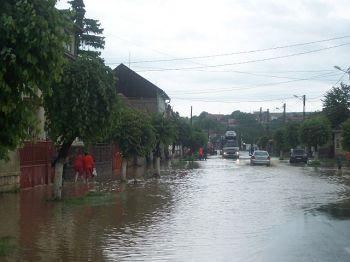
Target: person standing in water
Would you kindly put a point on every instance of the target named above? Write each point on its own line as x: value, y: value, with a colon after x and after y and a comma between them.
x: 79, y: 166
x: 89, y: 165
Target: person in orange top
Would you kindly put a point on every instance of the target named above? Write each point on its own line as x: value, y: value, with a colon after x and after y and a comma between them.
x: 89, y: 165
x: 200, y: 152
x: 79, y: 165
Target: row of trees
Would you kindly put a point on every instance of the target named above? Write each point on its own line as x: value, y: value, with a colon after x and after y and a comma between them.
x: 79, y: 97
x: 317, y: 131
x: 313, y: 132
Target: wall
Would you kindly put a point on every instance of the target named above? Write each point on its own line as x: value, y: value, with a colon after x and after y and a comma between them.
x: 146, y: 105
x: 160, y: 104
x: 10, y: 173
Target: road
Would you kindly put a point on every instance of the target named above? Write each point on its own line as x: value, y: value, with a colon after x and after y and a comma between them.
x: 224, y: 211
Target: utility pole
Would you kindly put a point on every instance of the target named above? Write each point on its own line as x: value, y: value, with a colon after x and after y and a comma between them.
x: 191, y: 115
x: 284, y: 113
x: 304, y: 99
x: 260, y: 115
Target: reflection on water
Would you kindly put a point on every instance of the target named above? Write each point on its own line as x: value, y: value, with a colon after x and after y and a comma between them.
x: 223, y: 211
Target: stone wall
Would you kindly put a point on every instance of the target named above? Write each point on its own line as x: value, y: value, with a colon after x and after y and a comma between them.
x: 10, y: 173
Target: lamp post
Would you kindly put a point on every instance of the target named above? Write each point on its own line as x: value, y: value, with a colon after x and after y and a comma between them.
x: 284, y: 112
x: 303, y: 98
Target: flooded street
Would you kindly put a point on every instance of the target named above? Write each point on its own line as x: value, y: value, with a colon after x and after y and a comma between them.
x: 223, y: 211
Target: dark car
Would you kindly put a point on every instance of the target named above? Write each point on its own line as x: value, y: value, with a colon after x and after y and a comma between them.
x: 298, y: 156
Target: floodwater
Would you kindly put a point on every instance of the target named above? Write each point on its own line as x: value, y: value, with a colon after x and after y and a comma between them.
x: 224, y: 211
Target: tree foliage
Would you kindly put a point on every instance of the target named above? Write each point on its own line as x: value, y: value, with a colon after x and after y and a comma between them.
x: 82, y: 103
x: 345, y: 126
x: 248, y: 126
x: 207, y: 123
x: 279, y: 137
x: 263, y: 142
x: 196, y: 139
x: 291, y: 131
x: 315, y: 131
x: 89, y: 33
x: 133, y: 132
x: 31, y: 58
x: 336, y: 104
x: 190, y: 136
x: 164, y: 128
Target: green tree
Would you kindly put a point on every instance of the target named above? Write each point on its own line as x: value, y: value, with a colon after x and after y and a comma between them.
x: 336, y: 104
x: 90, y: 32
x: 345, y: 126
x: 279, y: 138
x: 79, y: 106
x: 292, y: 134
x: 315, y: 132
x: 133, y: 132
x: 165, y: 132
x: 263, y: 142
x: 31, y: 58
x: 196, y: 139
x: 248, y: 125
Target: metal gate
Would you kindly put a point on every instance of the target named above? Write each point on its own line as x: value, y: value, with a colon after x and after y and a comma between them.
x: 35, y: 160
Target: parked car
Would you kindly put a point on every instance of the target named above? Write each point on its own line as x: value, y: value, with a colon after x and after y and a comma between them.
x: 260, y: 157
x: 298, y: 155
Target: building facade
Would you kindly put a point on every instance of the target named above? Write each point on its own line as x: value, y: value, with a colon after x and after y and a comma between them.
x: 138, y: 92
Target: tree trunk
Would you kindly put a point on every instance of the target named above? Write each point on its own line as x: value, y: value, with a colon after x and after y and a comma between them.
x: 316, y: 152
x: 158, y: 166
x: 158, y: 160
x: 123, y: 171
x: 281, y: 154
x: 58, y: 181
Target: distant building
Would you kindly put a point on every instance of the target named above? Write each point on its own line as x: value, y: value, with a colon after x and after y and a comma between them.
x: 140, y: 93
x: 232, y: 122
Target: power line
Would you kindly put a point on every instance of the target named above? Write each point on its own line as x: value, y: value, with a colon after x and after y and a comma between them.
x: 340, y: 79
x: 244, y: 62
x: 241, y: 101
x: 252, y: 73
x: 238, y: 52
x: 237, y: 101
x: 256, y: 86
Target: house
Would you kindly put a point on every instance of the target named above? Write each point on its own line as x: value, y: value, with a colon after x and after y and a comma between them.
x: 140, y: 93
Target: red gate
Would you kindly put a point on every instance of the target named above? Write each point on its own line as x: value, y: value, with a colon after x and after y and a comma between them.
x: 36, y: 164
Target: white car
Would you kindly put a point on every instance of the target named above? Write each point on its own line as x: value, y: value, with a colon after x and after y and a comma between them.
x: 260, y: 157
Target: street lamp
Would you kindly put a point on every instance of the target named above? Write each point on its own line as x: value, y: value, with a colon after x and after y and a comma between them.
x: 303, y: 98
x: 284, y: 111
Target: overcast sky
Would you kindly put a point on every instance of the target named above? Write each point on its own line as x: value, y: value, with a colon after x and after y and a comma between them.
x: 202, y: 38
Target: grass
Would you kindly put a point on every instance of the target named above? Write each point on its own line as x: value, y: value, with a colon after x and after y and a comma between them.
x: 192, y: 165
x: 185, y: 164
x: 92, y: 198
x: 6, y: 246
x: 327, y: 162
x: 315, y: 163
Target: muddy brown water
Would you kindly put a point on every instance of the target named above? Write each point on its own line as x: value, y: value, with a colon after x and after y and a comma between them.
x: 224, y: 211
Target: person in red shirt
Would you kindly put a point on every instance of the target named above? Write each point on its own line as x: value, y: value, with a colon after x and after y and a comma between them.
x: 79, y: 166
x: 200, y: 153
x: 89, y: 165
